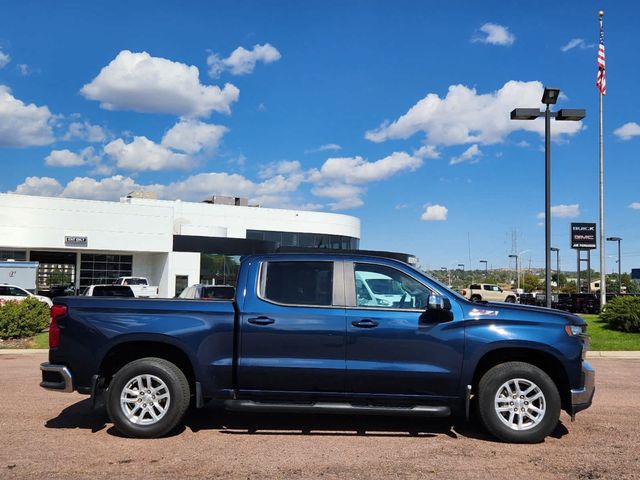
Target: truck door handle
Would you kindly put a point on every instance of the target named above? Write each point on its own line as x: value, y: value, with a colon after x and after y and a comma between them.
x: 365, y: 323
x: 261, y: 320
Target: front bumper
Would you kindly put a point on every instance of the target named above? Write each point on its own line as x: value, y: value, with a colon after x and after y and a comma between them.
x: 581, y: 398
x: 56, y: 377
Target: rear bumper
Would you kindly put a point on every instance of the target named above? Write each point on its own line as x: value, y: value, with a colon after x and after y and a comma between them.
x: 56, y: 377
x: 581, y: 398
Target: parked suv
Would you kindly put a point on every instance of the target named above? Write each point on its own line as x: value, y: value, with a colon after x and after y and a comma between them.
x: 486, y: 292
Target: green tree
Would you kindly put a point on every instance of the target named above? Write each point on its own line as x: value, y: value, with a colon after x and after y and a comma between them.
x: 530, y: 282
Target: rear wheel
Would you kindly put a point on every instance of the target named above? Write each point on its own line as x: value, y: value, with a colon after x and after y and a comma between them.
x: 518, y: 402
x: 476, y: 298
x: 510, y: 300
x: 148, y: 398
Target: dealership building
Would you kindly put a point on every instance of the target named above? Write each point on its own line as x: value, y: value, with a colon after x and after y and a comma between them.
x: 172, y: 243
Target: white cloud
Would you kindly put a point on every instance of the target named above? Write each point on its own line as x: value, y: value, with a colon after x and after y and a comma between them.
x: 325, y: 148
x: 4, y: 59
x: 359, y: 170
x: 434, y: 213
x: 427, y: 151
x: 563, y: 211
x: 23, y: 125
x: 143, y: 154
x: 495, y: 34
x: 43, y: 186
x: 67, y: 158
x: 627, y: 131
x: 85, y: 131
x: 284, y: 167
x: 469, y: 155
x: 242, y: 61
x: 337, y: 177
x: 24, y: 69
x: 193, y: 136
x: 464, y: 116
x: 635, y: 206
x: 576, y: 43
x: 140, y: 82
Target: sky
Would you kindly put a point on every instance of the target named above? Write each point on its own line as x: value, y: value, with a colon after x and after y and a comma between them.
x: 396, y: 112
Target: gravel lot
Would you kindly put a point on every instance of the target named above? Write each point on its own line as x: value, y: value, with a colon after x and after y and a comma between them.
x: 55, y: 435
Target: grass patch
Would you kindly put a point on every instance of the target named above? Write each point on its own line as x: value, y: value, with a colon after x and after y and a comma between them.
x: 603, y: 338
x: 39, y: 341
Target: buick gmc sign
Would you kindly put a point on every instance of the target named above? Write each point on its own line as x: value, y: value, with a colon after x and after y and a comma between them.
x: 583, y: 235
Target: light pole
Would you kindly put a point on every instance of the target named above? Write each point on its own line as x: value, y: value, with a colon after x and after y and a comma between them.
x: 517, y: 273
x: 549, y: 97
x: 557, y: 250
x: 617, y: 239
x: 486, y: 271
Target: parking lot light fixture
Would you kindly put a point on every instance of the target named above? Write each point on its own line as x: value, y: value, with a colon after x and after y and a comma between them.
x: 549, y: 97
x: 618, y: 239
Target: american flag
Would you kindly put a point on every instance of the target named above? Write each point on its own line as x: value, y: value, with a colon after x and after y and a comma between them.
x: 601, y: 78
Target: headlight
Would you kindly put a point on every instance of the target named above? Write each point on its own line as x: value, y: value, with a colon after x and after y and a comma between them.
x: 574, y: 330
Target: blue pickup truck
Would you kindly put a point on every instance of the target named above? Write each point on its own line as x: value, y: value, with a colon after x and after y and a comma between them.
x: 305, y: 334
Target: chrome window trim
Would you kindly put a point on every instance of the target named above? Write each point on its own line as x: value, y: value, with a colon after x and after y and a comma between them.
x: 337, y: 280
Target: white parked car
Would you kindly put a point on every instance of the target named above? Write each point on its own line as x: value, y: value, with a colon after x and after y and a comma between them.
x: 12, y: 292
x: 139, y: 285
x: 122, y: 291
x: 486, y: 292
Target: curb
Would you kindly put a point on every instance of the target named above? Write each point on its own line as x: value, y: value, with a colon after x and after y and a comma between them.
x: 597, y: 354
x: 630, y: 354
x: 23, y: 351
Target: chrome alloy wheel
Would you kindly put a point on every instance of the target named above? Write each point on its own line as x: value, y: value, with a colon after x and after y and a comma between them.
x: 145, y: 399
x: 520, y: 404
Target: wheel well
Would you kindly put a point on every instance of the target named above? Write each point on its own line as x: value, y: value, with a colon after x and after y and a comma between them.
x: 127, y: 352
x: 544, y: 361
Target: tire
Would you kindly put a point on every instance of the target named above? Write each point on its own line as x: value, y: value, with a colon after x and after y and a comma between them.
x: 510, y: 299
x: 496, y: 390
x: 476, y: 298
x: 151, y: 413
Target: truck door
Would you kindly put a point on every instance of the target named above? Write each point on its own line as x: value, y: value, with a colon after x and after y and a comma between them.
x: 292, y: 331
x: 393, y: 347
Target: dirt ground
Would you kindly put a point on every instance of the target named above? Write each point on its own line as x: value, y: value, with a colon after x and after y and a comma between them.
x: 55, y: 435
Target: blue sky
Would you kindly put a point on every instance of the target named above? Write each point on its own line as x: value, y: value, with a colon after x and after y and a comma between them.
x: 392, y: 111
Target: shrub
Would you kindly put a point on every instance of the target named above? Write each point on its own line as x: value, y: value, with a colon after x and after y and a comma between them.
x: 23, y: 319
x: 622, y: 313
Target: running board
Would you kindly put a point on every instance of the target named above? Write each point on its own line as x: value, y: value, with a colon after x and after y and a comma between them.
x: 336, y: 408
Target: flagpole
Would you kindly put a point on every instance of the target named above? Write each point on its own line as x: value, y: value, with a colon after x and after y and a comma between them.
x: 603, y: 281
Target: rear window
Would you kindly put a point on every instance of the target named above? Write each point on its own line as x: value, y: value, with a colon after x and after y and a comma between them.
x: 299, y: 283
x: 112, y: 291
x: 135, y: 281
x: 218, y: 292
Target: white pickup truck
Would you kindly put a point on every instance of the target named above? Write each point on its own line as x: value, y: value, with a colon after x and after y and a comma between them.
x: 139, y: 285
x: 486, y: 292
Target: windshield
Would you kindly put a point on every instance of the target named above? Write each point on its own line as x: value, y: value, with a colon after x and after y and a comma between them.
x: 135, y: 281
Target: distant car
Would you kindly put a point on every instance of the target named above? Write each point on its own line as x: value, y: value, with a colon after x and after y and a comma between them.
x: 486, y: 292
x: 122, y: 291
x: 139, y: 285
x: 208, y: 292
x: 12, y: 292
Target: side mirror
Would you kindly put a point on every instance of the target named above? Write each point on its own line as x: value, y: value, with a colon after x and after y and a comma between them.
x: 438, y: 302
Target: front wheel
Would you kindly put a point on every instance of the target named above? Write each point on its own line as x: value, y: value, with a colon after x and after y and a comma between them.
x: 518, y: 402
x: 148, y: 398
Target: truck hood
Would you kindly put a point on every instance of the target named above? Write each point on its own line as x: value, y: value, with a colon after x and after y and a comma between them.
x: 510, y: 311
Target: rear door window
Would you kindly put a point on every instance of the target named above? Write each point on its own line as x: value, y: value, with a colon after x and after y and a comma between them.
x: 298, y: 283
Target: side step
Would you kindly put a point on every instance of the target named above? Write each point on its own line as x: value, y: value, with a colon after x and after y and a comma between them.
x: 336, y: 408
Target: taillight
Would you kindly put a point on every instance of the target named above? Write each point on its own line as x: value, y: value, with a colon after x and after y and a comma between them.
x: 57, y: 311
